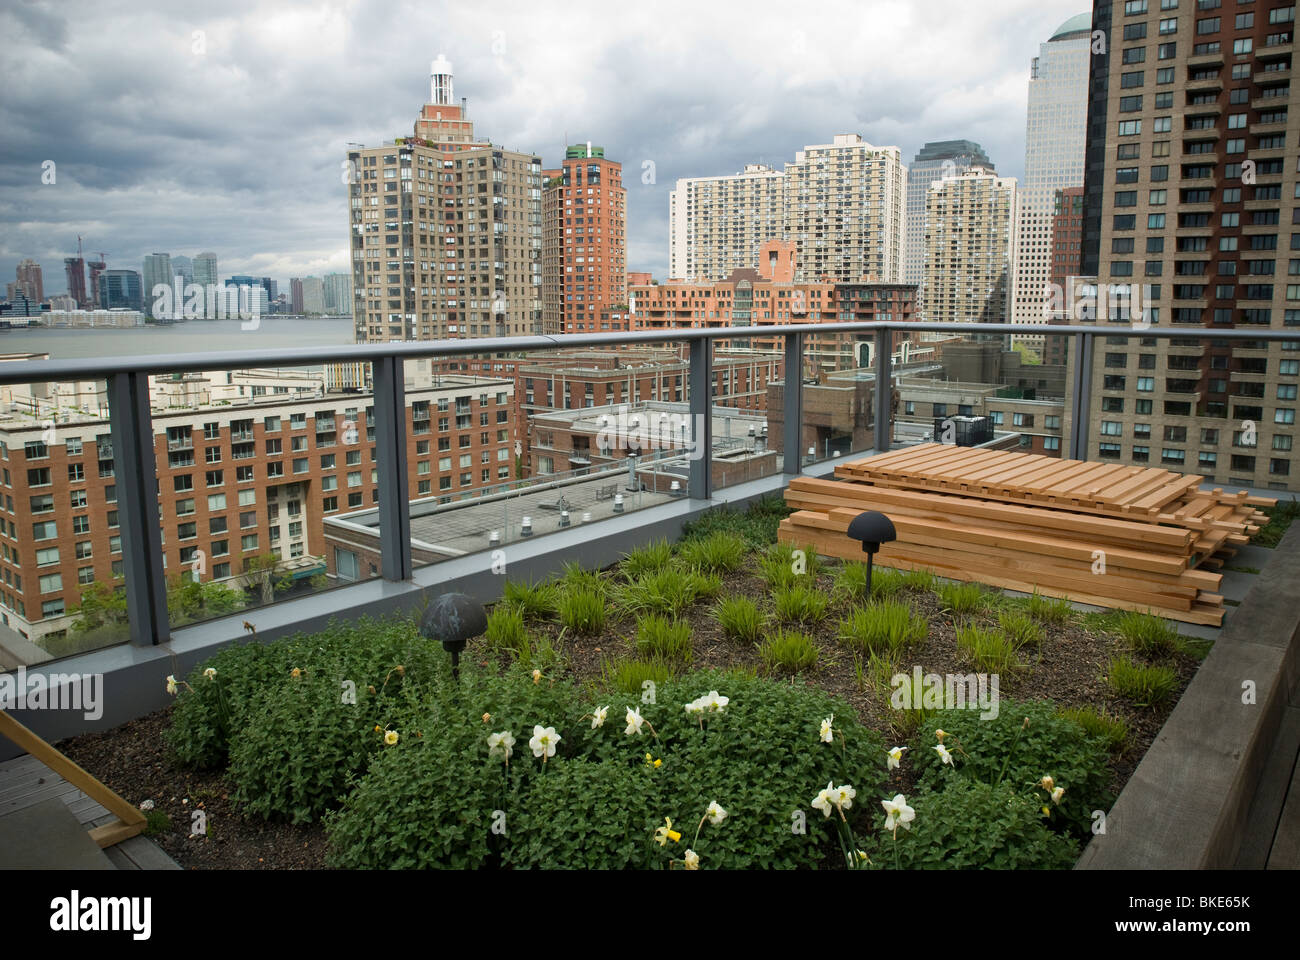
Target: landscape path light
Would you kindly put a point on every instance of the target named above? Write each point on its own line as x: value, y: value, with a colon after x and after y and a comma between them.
x: 871, y: 528
x: 452, y: 620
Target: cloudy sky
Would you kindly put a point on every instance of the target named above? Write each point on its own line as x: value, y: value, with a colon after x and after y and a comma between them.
x: 188, y: 126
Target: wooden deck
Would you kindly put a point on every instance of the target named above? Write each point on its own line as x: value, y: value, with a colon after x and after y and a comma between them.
x: 26, y: 782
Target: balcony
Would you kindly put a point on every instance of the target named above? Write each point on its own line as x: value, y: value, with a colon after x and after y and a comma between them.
x: 431, y: 545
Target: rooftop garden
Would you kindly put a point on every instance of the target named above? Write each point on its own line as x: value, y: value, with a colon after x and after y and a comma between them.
x: 721, y: 702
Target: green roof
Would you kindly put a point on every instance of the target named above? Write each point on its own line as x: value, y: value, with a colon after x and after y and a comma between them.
x: 1073, y: 28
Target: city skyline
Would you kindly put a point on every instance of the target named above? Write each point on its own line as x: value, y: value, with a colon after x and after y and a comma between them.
x: 127, y: 196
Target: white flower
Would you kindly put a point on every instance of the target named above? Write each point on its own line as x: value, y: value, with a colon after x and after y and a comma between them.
x: 1047, y: 783
x: 634, y: 721
x: 146, y: 805
x: 716, y: 703
x: 210, y: 673
x: 862, y: 856
x: 843, y: 796
x: 944, y: 755
x: 825, y: 799
x: 715, y: 813
x: 695, y: 706
x: 544, y: 741
x: 896, y: 757
x: 900, y: 814
x: 171, y: 685
x: 1057, y: 794
x: 501, y: 744
x: 598, y: 718
x: 391, y: 738
x: 692, y: 860
x: 828, y: 730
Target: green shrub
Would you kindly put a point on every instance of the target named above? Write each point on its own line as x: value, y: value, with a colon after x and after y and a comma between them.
x: 1051, y: 745
x: 799, y: 603
x: 631, y: 676
x: 647, y: 559
x: 717, y: 553
x: 740, y: 619
x: 963, y: 599
x: 1048, y: 609
x: 1147, y: 686
x: 1111, y: 731
x: 668, y: 592
x: 659, y: 638
x: 882, y: 627
x: 1148, y: 635
x: 1020, y: 629
x: 791, y: 653
x: 506, y: 630
x: 992, y: 651
x: 972, y: 825
x: 582, y: 610
x: 574, y: 577
x: 532, y: 601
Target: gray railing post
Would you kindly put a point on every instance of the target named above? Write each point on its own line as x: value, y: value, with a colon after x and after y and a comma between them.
x: 136, y: 478
x: 390, y: 458
x: 701, y: 406
x: 884, y: 390
x: 1080, y: 372
x: 793, y: 425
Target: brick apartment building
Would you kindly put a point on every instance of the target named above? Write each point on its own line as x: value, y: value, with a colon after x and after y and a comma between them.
x: 235, y: 479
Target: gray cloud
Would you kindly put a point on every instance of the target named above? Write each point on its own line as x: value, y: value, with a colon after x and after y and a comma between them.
x: 237, y: 148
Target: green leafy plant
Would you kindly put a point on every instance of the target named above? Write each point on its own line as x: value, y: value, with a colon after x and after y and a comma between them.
x: 740, y: 619
x: 799, y: 603
x: 631, y: 676
x: 757, y: 525
x: 720, y: 552
x: 788, y: 652
x: 659, y: 638
x: 882, y: 627
x: 1146, y: 686
x: 963, y: 599
x: 647, y: 559
x: 582, y: 610
x: 992, y: 651
x: 1148, y: 635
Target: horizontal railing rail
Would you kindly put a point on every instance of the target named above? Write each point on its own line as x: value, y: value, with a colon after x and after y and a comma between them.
x: 131, y: 418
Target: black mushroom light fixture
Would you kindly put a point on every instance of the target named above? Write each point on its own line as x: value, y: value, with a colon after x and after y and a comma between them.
x: 452, y: 620
x: 871, y: 528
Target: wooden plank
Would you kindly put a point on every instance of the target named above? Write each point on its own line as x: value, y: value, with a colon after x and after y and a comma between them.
x: 115, y: 832
x: 130, y: 818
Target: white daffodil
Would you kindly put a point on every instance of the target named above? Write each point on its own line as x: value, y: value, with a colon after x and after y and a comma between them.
x: 896, y: 757
x: 824, y: 800
x: 940, y: 734
x: 1047, y: 783
x: 1057, y: 793
x: 501, y: 744
x: 944, y: 755
x: 210, y: 673
x: 715, y: 813
x: 634, y: 721
x: 598, y: 718
x: 695, y: 706
x: 899, y: 813
x: 715, y: 703
x: 544, y: 741
x: 862, y: 856
x: 171, y: 685
x: 843, y: 796
x: 666, y: 833
x: 828, y: 730
x: 692, y: 860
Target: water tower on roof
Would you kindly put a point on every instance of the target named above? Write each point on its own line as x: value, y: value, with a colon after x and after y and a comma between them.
x: 440, y: 82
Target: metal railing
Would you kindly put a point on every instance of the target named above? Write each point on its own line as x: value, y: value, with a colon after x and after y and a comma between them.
x: 132, y: 432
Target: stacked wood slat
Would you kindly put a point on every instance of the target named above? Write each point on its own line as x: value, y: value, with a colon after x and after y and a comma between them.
x: 1025, y: 522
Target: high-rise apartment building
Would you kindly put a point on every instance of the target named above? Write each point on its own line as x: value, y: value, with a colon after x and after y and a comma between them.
x: 205, y: 269
x: 120, y: 289
x: 1055, y: 132
x: 313, y: 295
x: 75, y: 269
x: 183, y: 267
x: 295, y: 295
x: 1192, y: 192
x: 934, y: 161
x: 157, y: 270
x: 29, y: 280
x: 446, y: 232
x: 584, y: 265
x: 96, y: 267
x: 1067, y: 264
x: 337, y: 289
x: 841, y: 203
x: 970, y: 246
